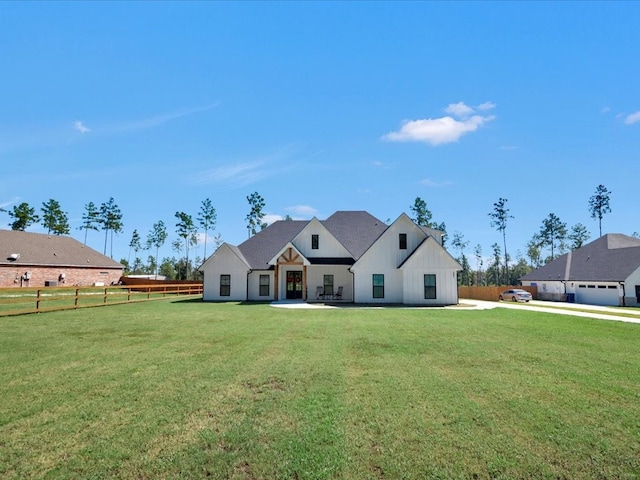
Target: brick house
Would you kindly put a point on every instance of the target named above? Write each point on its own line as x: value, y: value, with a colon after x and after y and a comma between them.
x: 37, y: 260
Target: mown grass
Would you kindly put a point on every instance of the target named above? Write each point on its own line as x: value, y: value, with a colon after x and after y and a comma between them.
x: 185, y: 389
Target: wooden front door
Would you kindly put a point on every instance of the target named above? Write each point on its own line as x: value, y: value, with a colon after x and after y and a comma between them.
x: 294, y: 284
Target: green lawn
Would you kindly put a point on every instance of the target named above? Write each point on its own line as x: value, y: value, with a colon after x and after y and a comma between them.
x: 185, y: 389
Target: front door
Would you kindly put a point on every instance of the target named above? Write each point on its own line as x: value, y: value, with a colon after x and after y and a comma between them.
x: 294, y: 284
x: 638, y: 293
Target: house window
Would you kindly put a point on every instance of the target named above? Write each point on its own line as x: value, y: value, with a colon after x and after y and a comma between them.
x: 328, y: 284
x: 264, y: 285
x: 402, y: 240
x: 225, y: 285
x: 315, y: 240
x: 378, y: 285
x: 430, y: 286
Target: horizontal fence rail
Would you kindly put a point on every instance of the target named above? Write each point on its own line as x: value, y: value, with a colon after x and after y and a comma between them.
x: 18, y: 301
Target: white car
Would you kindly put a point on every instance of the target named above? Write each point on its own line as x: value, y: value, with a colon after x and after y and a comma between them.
x: 516, y: 295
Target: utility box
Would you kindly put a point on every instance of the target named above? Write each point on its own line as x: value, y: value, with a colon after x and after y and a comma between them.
x: 50, y: 283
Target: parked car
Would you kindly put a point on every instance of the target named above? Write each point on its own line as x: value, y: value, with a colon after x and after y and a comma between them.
x: 516, y: 295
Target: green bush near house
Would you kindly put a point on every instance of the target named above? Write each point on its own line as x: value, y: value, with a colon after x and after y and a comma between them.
x: 186, y: 389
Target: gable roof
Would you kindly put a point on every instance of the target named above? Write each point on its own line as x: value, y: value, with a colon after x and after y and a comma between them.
x: 39, y: 249
x: 444, y: 260
x: 610, y: 258
x: 264, y: 245
x: 355, y: 230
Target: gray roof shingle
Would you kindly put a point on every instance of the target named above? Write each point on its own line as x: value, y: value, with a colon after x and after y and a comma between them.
x: 38, y: 249
x: 262, y: 247
x: 610, y: 258
x: 356, y: 230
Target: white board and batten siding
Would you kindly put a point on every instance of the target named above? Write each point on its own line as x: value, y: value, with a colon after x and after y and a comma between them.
x: 342, y: 277
x: 363, y: 286
x: 630, y: 284
x: 328, y: 245
x: 254, y: 285
x: 225, y: 263
x: 431, y: 259
x: 383, y: 258
x: 404, y: 270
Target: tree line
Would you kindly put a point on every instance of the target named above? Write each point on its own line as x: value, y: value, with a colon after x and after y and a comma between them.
x: 107, y: 217
x: 553, y: 236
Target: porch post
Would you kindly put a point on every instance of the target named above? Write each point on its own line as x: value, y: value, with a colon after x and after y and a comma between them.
x: 304, y: 282
x: 275, y: 282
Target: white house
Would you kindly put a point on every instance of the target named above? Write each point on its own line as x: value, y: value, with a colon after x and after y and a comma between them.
x: 603, y: 272
x: 349, y: 257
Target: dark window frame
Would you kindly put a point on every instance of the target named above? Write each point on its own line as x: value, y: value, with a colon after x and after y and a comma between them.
x: 264, y: 287
x: 315, y: 241
x: 430, y: 287
x: 225, y: 285
x: 378, y: 287
x: 402, y: 241
x: 327, y: 287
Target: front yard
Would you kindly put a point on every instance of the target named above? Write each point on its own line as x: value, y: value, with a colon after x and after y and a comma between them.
x: 185, y: 389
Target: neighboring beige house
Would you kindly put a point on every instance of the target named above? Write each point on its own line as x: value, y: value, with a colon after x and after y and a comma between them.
x: 349, y: 257
x: 603, y: 272
x: 36, y: 260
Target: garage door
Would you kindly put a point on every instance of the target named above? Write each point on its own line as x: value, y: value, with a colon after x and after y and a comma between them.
x: 597, y: 294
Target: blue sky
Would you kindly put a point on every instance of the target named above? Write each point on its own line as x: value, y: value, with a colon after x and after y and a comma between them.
x: 322, y: 106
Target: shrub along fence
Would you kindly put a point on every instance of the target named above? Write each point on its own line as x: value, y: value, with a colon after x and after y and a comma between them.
x: 18, y: 301
x: 491, y: 293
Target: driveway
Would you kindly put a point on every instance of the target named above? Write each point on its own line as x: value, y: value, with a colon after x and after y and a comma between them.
x: 560, y: 308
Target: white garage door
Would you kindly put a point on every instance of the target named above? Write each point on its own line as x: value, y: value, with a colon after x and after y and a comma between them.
x: 597, y: 294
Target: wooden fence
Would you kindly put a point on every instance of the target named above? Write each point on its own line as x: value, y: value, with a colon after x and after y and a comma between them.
x: 18, y: 301
x: 491, y: 293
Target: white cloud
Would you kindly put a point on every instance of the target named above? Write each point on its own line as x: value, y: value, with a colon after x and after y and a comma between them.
x: 379, y: 164
x: 605, y: 109
x: 437, y: 131
x: 79, y: 126
x: 459, y: 109
x: 4, y: 205
x: 157, y: 120
x: 483, y: 107
x: 235, y: 175
x: 427, y: 182
x: 632, y: 118
x: 508, y: 147
x: 270, y: 218
x: 302, y: 210
x: 242, y: 173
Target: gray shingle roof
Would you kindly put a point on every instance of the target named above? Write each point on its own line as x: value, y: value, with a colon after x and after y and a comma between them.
x: 356, y: 230
x: 262, y: 247
x: 610, y: 258
x: 38, y: 249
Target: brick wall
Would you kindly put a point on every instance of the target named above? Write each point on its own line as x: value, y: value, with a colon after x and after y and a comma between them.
x: 11, y: 276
